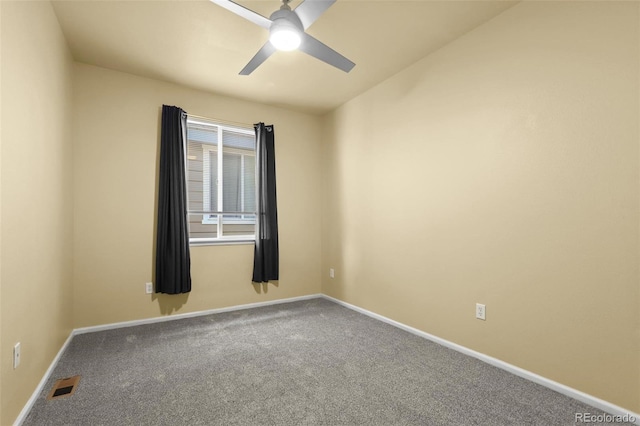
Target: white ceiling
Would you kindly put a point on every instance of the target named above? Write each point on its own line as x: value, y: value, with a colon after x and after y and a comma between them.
x: 201, y: 45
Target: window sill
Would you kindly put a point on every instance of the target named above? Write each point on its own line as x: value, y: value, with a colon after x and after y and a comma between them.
x: 221, y: 242
x: 229, y: 222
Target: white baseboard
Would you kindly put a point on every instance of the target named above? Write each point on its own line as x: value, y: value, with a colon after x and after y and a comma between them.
x: 593, y: 401
x: 43, y: 382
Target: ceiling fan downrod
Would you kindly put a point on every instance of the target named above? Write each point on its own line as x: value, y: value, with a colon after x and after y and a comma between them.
x: 285, y: 5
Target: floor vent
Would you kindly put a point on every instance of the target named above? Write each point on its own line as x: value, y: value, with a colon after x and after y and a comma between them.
x: 64, y: 387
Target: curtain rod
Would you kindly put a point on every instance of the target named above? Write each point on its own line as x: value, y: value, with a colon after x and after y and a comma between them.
x: 216, y: 120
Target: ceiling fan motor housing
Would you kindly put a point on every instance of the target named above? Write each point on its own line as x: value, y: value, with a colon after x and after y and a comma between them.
x: 286, y: 21
x: 287, y: 18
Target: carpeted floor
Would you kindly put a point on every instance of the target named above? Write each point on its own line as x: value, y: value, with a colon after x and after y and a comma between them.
x: 303, y: 363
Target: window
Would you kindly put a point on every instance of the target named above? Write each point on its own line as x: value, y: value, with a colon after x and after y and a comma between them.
x: 221, y: 182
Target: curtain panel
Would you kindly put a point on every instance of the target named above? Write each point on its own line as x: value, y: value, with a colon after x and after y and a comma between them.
x: 266, y: 257
x: 173, y: 260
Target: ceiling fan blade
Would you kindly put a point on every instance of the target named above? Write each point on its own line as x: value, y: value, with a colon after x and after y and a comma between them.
x: 319, y: 50
x: 310, y: 10
x: 242, y: 11
x: 262, y: 55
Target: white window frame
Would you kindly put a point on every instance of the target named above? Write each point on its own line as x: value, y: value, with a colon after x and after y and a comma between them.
x: 212, y: 218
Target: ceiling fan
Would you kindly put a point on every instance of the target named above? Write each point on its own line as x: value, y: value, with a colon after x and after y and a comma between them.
x: 287, y: 32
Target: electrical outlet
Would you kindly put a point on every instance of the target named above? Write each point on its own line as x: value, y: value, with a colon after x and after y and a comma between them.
x: 332, y: 273
x: 481, y: 311
x: 148, y: 287
x: 16, y: 355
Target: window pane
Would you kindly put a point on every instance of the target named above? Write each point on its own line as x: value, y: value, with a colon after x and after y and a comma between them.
x: 194, y: 175
x: 203, y: 134
x: 199, y: 229
x: 249, y: 184
x: 231, y: 184
x: 200, y: 141
x: 239, y: 140
x: 236, y: 226
x: 211, y: 203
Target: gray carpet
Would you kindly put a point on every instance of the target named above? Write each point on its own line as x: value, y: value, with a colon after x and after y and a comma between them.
x: 303, y: 363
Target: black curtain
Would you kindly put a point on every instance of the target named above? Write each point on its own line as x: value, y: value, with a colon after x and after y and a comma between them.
x: 266, y: 258
x: 173, y: 261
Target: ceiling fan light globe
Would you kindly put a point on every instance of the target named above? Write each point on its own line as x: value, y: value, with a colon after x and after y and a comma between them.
x: 286, y: 40
x: 284, y: 35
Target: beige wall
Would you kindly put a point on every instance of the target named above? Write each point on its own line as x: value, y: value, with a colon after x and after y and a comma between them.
x: 116, y: 138
x: 503, y: 169
x: 36, y: 199
x: 1, y: 347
